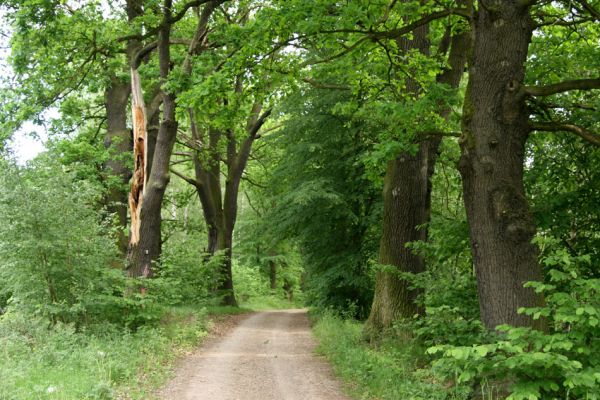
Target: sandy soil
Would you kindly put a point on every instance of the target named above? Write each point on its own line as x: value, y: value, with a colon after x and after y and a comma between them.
x: 267, y: 356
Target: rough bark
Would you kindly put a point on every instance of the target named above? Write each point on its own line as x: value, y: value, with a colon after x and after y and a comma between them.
x: 407, y: 205
x: 225, y: 289
x: 145, y: 243
x: 220, y: 206
x: 495, y: 129
x: 273, y: 274
x: 118, y: 142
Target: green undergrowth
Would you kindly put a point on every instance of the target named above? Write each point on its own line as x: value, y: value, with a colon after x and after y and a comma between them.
x: 40, y: 361
x: 266, y: 302
x: 392, y: 369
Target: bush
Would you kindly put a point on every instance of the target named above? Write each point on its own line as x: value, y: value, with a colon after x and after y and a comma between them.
x: 42, y: 360
x: 562, y: 363
x: 184, y: 275
x: 392, y: 370
x: 54, y: 252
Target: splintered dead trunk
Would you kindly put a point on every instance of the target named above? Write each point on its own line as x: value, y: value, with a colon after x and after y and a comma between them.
x: 118, y: 142
x: 149, y: 184
x: 138, y: 182
x: 493, y: 147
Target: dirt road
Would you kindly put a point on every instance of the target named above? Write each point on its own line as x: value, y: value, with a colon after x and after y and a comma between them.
x: 268, y: 356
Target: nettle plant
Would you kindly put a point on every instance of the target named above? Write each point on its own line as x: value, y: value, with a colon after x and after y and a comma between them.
x: 563, y: 362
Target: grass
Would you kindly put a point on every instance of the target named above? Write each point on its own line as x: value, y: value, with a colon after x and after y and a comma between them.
x: 394, y: 369
x: 103, y: 362
x: 267, y: 302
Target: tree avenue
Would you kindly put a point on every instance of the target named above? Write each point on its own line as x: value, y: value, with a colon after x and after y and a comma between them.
x: 428, y: 168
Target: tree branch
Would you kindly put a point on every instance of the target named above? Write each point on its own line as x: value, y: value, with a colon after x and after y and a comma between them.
x: 395, y: 33
x: 189, y: 180
x: 576, y: 84
x: 580, y: 131
x: 259, y: 123
x: 187, y: 6
x: 143, y: 52
x: 588, y: 7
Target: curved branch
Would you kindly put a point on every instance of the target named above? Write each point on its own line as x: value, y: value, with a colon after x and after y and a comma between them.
x: 590, y: 137
x: 395, y: 33
x: 576, y: 84
x: 189, y: 180
x: 137, y: 59
x: 187, y: 6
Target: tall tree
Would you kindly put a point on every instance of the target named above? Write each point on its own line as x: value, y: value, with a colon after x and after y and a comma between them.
x: 495, y: 129
x: 407, y: 194
x: 42, y: 33
x: 118, y: 142
x: 151, y: 169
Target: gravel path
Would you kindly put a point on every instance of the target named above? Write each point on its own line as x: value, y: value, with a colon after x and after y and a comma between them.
x: 268, y: 356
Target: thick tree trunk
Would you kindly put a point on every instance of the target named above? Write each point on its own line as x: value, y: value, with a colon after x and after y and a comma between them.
x: 225, y: 289
x: 118, y: 141
x: 493, y: 148
x: 407, y: 205
x: 145, y: 243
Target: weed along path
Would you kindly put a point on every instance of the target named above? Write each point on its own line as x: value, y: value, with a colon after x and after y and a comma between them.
x: 268, y: 356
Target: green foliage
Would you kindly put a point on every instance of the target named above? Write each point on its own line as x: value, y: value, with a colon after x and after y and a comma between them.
x: 330, y: 210
x: 565, y: 188
x: 391, y: 370
x: 249, y: 282
x: 55, y: 253
x: 560, y: 363
x: 101, y: 363
x: 184, y: 275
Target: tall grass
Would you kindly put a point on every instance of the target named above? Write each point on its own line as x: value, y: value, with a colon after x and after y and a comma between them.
x: 104, y: 362
x: 394, y: 369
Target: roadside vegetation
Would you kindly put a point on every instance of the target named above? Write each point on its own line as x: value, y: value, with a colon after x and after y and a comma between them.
x: 423, y: 174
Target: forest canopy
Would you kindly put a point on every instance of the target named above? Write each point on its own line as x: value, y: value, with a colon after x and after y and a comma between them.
x: 429, y: 168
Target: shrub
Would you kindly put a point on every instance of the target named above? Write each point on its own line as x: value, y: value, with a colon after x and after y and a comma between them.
x: 54, y: 252
x: 561, y: 363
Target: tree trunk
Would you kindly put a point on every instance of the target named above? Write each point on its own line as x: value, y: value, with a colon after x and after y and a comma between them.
x: 273, y: 274
x: 118, y: 142
x: 407, y: 205
x: 406, y: 202
x: 145, y: 243
x: 493, y: 146
x: 225, y: 289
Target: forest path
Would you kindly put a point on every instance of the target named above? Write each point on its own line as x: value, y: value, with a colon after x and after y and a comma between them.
x: 268, y: 356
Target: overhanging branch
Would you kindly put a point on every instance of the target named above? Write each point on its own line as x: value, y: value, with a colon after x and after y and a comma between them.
x: 189, y: 180
x: 576, y: 84
x: 580, y: 131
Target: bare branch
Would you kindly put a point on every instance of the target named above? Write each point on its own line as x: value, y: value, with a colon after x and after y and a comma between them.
x: 252, y: 182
